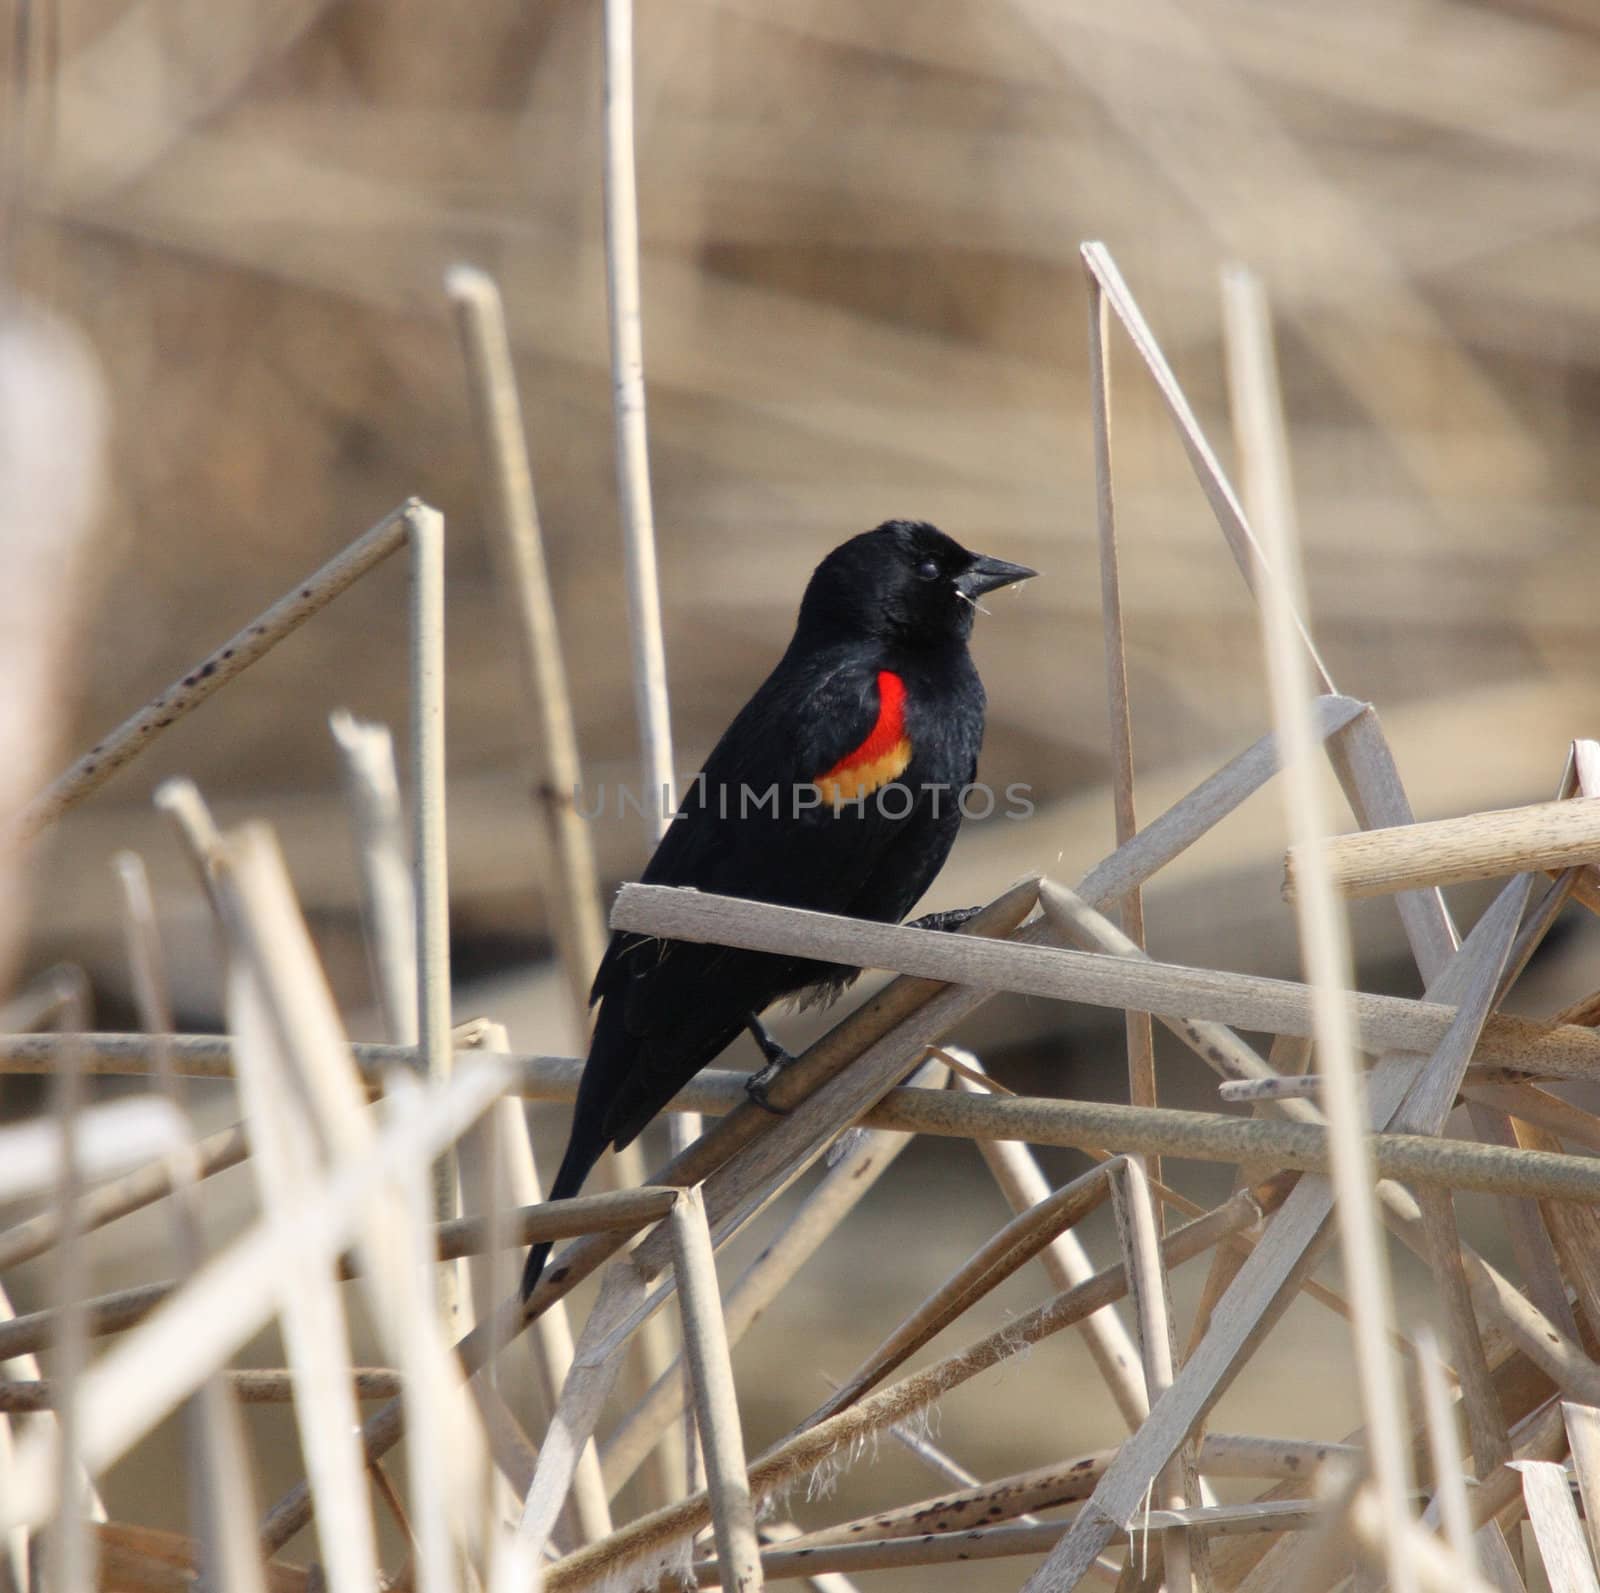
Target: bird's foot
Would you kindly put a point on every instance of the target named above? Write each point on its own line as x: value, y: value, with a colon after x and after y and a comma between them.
x: 950, y: 918
x: 757, y: 1085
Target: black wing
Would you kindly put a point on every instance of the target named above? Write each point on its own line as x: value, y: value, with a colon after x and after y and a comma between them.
x: 745, y: 828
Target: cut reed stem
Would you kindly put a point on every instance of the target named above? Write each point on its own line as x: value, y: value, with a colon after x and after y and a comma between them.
x: 122, y: 745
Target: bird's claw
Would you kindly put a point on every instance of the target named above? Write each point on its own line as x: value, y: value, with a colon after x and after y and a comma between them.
x: 950, y: 918
x: 757, y: 1085
x: 759, y: 1082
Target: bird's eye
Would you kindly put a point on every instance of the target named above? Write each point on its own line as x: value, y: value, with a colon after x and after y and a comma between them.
x: 928, y: 570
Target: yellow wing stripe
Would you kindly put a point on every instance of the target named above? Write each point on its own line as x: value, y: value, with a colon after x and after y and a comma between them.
x: 854, y: 781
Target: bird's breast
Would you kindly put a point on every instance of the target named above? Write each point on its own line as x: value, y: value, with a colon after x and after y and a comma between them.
x: 884, y: 754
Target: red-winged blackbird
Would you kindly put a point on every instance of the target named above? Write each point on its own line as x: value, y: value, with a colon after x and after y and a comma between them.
x: 836, y: 788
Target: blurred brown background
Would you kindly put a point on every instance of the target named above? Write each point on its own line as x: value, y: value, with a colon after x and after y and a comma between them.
x: 862, y: 298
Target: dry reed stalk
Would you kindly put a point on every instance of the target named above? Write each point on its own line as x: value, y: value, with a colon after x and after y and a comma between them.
x: 1486, y: 1423
x: 110, y: 1136
x: 447, y: 1455
x: 1074, y: 1124
x: 1324, y: 933
x: 1288, y: 1056
x: 264, y: 1385
x: 1583, y: 1435
x: 1582, y: 778
x: 43, y: 1001
x: 1025, y: 967
x: 221, y: 1486
x: 751, y: 1177
x: 106, y: 1313
x: 1548, y: 1495
x: 1544, y: 836
x: 1261, y: 439
x: 69, y: 1546
x: 1322, y: 1556
x: 1174, y: 831
x: 735, y: 1191
x: 317, y: 1111
x: 167, y: 1562
x: 1205, y: 1136
x: 429, y: 857
x: 1363, y: 761
x: 518, y: 541
x: 628, y: 407
x: 141, y: 1378
x: 622, y: 1212
x: 833, y: 1438
x: 1067, y: 1263
x: 1005, y: 1252
x: 1214, y: 1043
x: 1539, y: 1436
x: 1559, y: 1357
x: 989, y: 1543
x: 1219, y: 493
x: 122, y: 745
x: 676, y: 1460
x: 705, y: 1343
x: 1544, y: 1341
x: 1163, y: 839
x: 1223, y: 1050
x: 781, y: 1532
x: 1302, y: 1087
x: 388, y: 900
x: 1530, y: 1104
x: 1526, y: 1402
x: 1070, y: 1481
x: 876, y: 1020
x: 288, y: 1151
x: 210, y: 1056
x: 1433, y: 1567
x: 1572, y: 1236
x: 596, y: 1366
x: 1293, y: 1243
x: 1494, y: 1558
x: 552, y: 1333
x: 1186, y: 1561
x: 1530, y: 1234
x: 717, y: 1090
x: 1586, y: 766
x: 1450, y: 1488
x: 1130, y: 909
x: 986, y: 1543
x: 922, y: 1448
x: 1586, y: 1012
x: 1547, y: 1240
x: 1536, y: 1254
x: 492, y: 1170
x: 1545, y: 907
x: 16, y: 1537
x: 864, y: 1160
x: 132, y: 1192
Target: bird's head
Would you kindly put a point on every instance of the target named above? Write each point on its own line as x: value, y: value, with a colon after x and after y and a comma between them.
x: 906, y: 582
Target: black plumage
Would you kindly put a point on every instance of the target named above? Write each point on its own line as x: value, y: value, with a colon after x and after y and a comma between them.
x: 794, y: 806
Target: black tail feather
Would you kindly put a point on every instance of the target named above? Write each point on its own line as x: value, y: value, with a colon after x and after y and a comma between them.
x: 583, y: 1151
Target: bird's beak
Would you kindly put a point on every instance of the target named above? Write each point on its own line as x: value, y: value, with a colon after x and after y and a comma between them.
x: 986, y: 575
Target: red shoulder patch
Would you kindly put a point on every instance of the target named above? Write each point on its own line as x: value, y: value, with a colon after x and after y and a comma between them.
x: 882, y: 757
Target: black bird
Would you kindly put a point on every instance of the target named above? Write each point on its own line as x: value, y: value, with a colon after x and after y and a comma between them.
x: 836, y: 788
